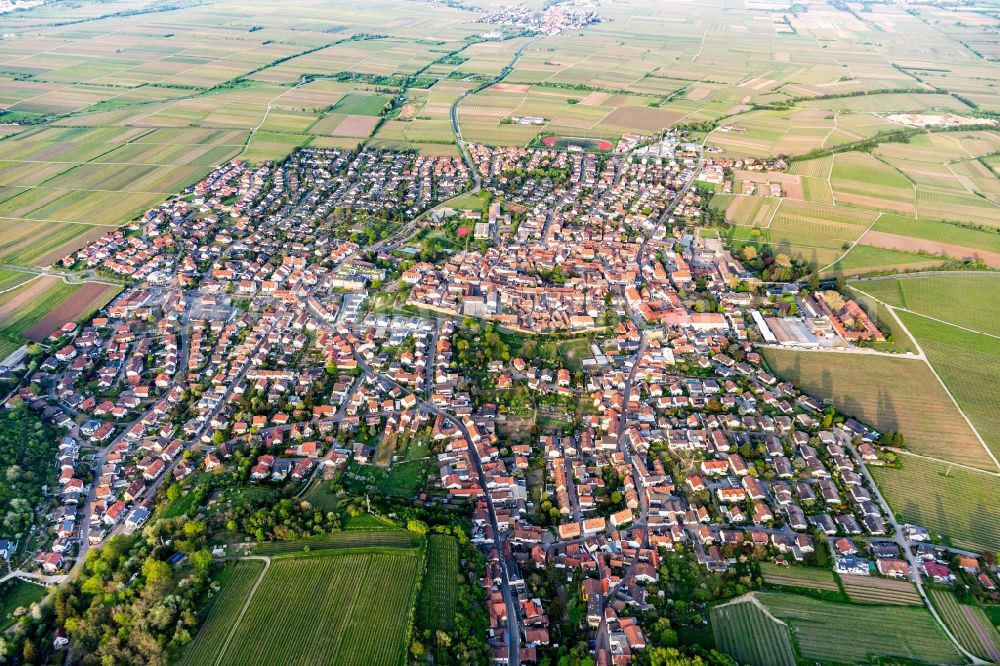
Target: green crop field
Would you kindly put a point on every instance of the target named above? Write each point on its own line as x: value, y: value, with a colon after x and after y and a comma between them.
x: 961, y: 504
x: 793, y: 576
x: 888, y: 393
x: 224, y: 608
x: 845, y: 633
x: 864, y: 258
x: 745, y: 630
x: 943, y: 232
x: 335, y: 608
x: 361, y: 105
x: 971, y: 301
x: 881, y: 591
x: 969, y: 624
x: 24, y: 306
x: 969, y: 364
x: 438, y: 596
x: 9, y: 279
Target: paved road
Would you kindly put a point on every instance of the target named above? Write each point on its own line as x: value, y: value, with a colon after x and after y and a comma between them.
x: 457, y: 130
x: 904, y: 546
x: 509, y: 597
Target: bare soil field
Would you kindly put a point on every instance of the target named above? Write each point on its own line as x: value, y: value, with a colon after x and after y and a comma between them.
x: 86, y: 299
x: 356, y: 126
x: 908, y: 244
x: 25, y: 295
x: 511, y: 87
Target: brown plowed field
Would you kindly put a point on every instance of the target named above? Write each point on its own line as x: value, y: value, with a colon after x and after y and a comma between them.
x: 909, y: 244
x: 87, y: 298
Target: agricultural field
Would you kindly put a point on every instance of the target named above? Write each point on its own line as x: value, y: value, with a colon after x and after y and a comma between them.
x: 862, y: 259
x: 341, y: 541
x: 438, y: 596
x: 969, y: 364
x: 805, y: 577
x: 39, y: 306
x: 880, y: 591
x: 969, y: 624
x: 763, y: 133
x: 934, y: 237
x: 10, y: 279
x: 334, y: 608
x: 354, y: 104
x: 968, y: 300
x: 235, y: 582
x: 890, y: 394
x: 962, y: 504
x: 859, y: 634
x: 746, y: 630
x: 860, y: 179
x: 813, y: 232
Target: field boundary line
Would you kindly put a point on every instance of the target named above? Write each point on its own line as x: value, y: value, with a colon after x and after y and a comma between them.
x: 246, y: 604
x: 21, y: 284
x: 952, y: 324
x: 89, y: 224
x: 752, y: 598
x: 916, y: 343
x: 774, y: 212
x: 940, y: 461
x: 854, y: 243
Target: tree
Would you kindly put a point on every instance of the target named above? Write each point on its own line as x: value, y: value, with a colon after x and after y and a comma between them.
x: 749, y: 253
x: 156, y: 573
x: 668, y: 656
x: 173, y: 492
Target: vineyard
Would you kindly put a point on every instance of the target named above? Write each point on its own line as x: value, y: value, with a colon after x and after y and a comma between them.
x: 890, y: 394
x: 969, y: 364
x: 806, y: 577
x: 969, y: 624
x: 339, y: 540
x: 883, y: 591
x: 344, y: 608
x: 972, y: 301
x: 860, y: 634
x: 963, y: 504
x: 744, y: 629
x: 438, y: 597
x: 235, y: 583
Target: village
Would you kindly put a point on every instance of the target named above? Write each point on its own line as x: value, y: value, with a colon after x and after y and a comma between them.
x: 253, y: 320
